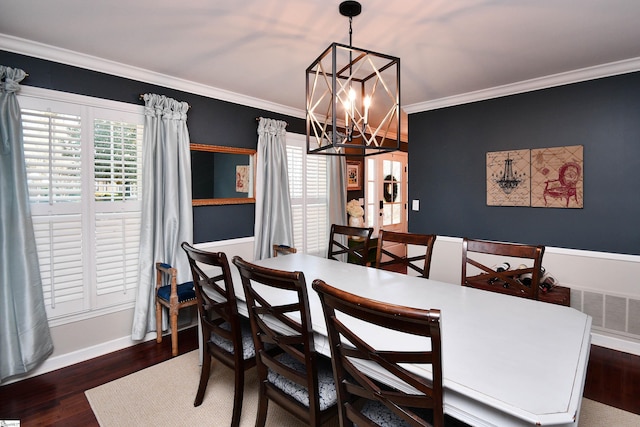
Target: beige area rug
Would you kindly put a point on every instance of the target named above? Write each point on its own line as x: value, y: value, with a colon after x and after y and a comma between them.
x: 162, y: 395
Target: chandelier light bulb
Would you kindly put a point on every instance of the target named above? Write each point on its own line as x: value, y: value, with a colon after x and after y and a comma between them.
x: 367, y: 104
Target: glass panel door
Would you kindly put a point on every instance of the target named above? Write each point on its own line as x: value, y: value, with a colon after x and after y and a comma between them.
x: 386, y: 195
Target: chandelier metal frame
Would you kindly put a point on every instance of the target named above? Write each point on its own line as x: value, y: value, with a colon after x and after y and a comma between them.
x: 353, y: 99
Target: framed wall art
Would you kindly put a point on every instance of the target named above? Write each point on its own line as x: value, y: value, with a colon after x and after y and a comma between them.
x: 354, y: 175
x: 242, y: 178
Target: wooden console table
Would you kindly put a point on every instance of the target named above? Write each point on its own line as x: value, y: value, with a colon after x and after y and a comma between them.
x: 558, y: 295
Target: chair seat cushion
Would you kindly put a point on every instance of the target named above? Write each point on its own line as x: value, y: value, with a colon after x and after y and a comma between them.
x: 185, y: 292
x: 248, y: 350
x: 326, y: 385
x: 384, y: 417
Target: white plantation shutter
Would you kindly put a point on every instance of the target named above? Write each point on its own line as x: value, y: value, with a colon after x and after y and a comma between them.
x: 117, y: 151
x: 53, y: 153
x: 117, y: 190
x: 117, y: 240
x: 60, y: 254
x: 296, y: 192
x: 84, y: 173
x: 309, y: 199
x: 316, y: 202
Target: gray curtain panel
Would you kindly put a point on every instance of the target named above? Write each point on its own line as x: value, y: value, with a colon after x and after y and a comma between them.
x: 273, y: 219
x: 167, y: 218
x: 337, y: 182
x: 25, y: 339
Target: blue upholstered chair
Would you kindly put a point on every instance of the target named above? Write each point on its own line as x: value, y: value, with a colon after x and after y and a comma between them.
x: 174, y: 297
x: 297, y: 378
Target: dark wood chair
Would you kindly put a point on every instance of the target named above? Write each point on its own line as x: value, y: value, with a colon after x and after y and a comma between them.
x: 299, y: 379
x: 283, y: 250
x: 479, y: 258
x: 173, y: 297
x: 363, y: 400
x: 387, y: 259
x: 226, y: 336
x: 339, y: 245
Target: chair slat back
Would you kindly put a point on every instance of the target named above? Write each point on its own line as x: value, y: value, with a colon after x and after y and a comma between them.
x: 347, y: 348
x: 216, y: 298
x: 484, y: 255
x: 339, y: 243
x: 279, y: 314
x: 388, y: 260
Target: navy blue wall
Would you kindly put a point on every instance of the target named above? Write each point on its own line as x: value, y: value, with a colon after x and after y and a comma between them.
x: 447, y: 166
x: 210, y: 121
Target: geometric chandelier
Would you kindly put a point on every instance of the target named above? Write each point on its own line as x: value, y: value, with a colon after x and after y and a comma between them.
x: 353, y: 99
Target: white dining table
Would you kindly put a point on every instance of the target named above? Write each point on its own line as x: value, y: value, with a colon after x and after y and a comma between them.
x: 507, y: 361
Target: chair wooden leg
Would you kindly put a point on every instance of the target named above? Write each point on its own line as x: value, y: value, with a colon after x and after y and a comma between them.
x: 237, y: 395
x: 204, y: 379
x: 158, y: 322
x: 174, y: 333
x: 263, y: 405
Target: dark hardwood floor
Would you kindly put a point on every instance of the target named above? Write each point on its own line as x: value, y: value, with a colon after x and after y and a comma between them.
x: 57, y: 398
x: 613, y: 378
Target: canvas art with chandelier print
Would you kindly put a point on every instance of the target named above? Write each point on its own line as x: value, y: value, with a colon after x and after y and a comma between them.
x: 543, y: 177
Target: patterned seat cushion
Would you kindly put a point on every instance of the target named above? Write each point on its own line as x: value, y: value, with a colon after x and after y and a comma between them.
x: 326, y: 385
x: 384, y: 417
x: 248, y: 350
x: 185, y: 292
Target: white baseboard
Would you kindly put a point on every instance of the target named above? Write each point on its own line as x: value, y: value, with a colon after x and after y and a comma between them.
x: 615, y: 343
x: 82, y: 355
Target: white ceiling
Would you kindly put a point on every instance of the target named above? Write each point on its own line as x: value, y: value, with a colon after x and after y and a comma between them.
x: 261, y: 48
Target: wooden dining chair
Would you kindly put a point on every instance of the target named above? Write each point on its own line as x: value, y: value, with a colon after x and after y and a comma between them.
x: 399, y: 260
x: 226, y: 336
x: 356, y: 251
x: 361, y: 399
x: 299, y: 379
x: 172, y: 296
x: 283, y: 250
x: 480, y: 258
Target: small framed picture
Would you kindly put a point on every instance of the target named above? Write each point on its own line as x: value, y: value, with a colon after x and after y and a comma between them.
x: 354, y: 177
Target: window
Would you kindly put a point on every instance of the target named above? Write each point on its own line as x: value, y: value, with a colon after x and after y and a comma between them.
x: 309, y: 197
x: 83, y: 157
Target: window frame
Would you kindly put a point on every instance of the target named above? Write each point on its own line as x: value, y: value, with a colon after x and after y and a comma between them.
x: 93, y: 302
x: 315, y: 238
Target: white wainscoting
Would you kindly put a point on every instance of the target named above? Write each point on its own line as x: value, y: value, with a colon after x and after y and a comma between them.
x: 242, y: 247
x: 604, y: 285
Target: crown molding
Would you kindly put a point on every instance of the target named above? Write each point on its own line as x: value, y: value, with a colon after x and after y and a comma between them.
x: 68, y: 57
x: 575, y: 76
